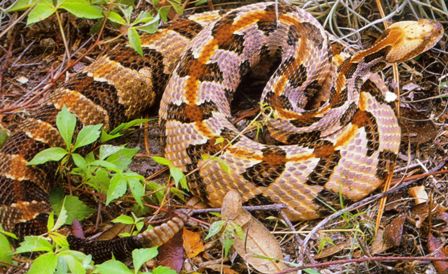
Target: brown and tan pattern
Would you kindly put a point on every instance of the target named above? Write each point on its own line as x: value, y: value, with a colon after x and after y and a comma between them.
x: 337, y: 133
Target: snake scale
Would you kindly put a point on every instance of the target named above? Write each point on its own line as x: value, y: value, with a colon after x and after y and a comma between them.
x: 335, y: 134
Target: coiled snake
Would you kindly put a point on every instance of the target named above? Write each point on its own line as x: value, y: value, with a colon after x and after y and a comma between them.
x: 335, y: 133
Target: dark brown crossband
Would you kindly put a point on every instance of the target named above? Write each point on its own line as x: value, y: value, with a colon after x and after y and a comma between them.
x: 269, y: 169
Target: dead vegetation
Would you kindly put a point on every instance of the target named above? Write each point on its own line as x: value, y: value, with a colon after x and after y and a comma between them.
x: 411, y: 233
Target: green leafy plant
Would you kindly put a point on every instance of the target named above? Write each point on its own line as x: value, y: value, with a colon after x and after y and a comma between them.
x: 175, y: 172
x: 117, y: 12
x: 109, y: 172
x: 42, y: 9
x: 55, y: 254
x: 5, y: 246
x: 139, y: 257
x: 228, y: 231
x: 135, y: 222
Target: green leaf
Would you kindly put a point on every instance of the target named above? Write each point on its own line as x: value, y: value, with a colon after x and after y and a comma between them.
x: 79, y: 161
x: 158, y: 190
x: 7, y: 233
x: 66, y: 262
x: 127, y: 12
x: 76, y: 261
x: 227, y: 244
x: 134, y: 40
x: 62, y: 217
x: 137, y: 190
x: 215, y: 228
x: 44, y: 264
x: 179, y: 177
x: 163, y: 270
x: 142, y: 255
x: 120, y: 129
x: 33, y: 244
x: 21, y: 5
x: 124, y: 219
x: 176, y: 6
x: 113, y: 267
x: 163, y: 12
x: 117, y: 188
x: 311, y: 271
x: 66, y: 123
x: 59, y: 239
x: 162, y: 160
x: 43, y: 9
x: 116, y: 18
x: 50, y: 221
x: 47, y: 155
x: 143, y: 18
x: 124, y: 126
x: 88, y: 135
x: 82, y: 9
x: 200, y: 2
x: 123, y: 158
x: 105, y: 137
x: 152, y: 28
x: 100, y: 180
x: 105, y: 164
x: 5, y: 247
x: 75, y: 208
x: 107, y: 150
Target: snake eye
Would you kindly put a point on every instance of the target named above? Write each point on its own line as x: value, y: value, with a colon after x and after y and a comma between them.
x: 412, y: 38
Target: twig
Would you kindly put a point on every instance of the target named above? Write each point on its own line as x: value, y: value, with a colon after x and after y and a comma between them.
x: 363, y: 203
x: 361, y: 260
x: 276, y: 207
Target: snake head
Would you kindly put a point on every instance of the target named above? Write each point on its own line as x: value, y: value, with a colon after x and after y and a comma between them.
x: 411, y: 38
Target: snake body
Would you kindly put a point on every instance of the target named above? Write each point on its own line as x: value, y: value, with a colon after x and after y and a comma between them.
x: 335, y: 133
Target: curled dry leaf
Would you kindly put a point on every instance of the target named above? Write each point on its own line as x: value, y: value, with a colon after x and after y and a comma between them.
x: 258, y: 248
x: 389, y: 237
x: 171, y: 254
x: 419, y: 194
x: 394, y: 231
x: 435, y: 246
x: 419, y: 213
x: 333, y: 249
x: 193, y: 244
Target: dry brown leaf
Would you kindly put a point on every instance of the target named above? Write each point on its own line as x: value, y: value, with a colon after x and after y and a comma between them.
x: 259, y: 248
x: 171, y: 254
x: 193, y: 244
x: 435, y: 246
x: 333, y: 249
x: 378, y: 245
x: 419, y: 194
x: 419, y: 213
x: 394, y: 231
x: 389, y: 237
x: 113, y: 231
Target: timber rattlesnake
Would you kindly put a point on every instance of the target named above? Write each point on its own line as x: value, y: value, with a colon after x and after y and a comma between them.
x: 334, y: 129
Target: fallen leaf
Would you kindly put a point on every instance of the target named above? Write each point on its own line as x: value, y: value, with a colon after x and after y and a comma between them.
x: 333, y: 249
x: 378, y: 245
x: 435, y: 246
x: 393, y: 232
x: 77, y: 230
x: 192, y: 242
x: 419, y: 194
x: 258, y: 248
x: 172, y: 253
x: 388, y: 237
x: 113, y: 231
x: 419, y: 213
x: 416, y: 127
